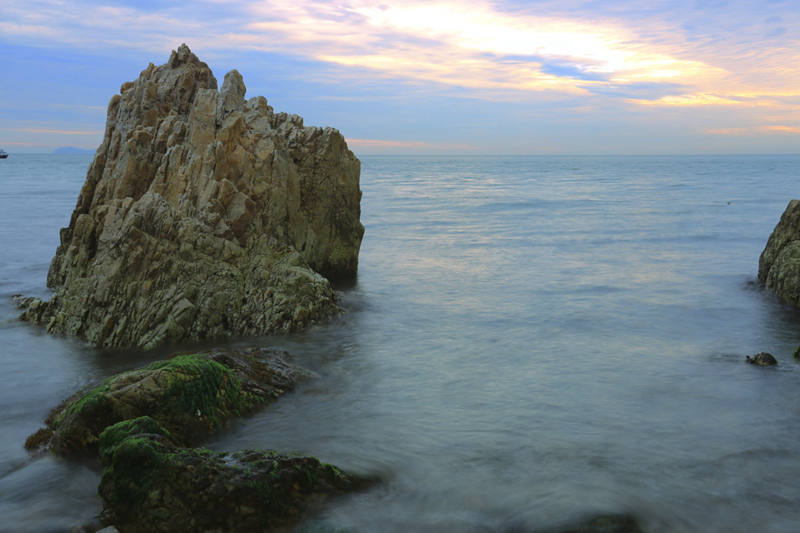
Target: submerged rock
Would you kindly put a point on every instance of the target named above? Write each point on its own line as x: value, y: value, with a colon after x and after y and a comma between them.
x: 191, y: 395
x: 762, y: 359
x: 779, y: 264
x: 203, y: 215
x: 151, y: 484
x: 606, y: 523
x: 612, y: 523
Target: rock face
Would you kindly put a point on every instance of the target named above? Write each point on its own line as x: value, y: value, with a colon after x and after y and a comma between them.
x: 150, y: 483
x: 779, y: 264
x: 191, y: 395
x: 203, y: 215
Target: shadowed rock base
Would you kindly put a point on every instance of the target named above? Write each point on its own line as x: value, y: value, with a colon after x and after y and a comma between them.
x: 151, y: 484
x: 605, y: 523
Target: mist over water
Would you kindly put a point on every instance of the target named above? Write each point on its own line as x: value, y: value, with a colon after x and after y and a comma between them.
x: 530, y: 340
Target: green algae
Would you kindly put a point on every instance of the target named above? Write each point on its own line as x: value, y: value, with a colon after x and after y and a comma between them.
x: 150, y: 483
x: 191, y: 395
x: 202, y: 387
x: 114, y: 435
x: 91, y: 399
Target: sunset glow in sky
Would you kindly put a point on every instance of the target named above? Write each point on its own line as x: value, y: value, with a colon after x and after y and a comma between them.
x: 437, y: 76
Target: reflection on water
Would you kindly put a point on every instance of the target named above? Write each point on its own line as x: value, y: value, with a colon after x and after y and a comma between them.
x: 530, y: 340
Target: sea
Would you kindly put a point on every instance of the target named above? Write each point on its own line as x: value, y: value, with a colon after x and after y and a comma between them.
x: 530, y: 341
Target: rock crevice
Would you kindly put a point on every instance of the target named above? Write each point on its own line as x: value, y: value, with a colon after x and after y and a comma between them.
x: 203, y: 215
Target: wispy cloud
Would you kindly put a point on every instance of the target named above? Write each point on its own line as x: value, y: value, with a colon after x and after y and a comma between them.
x: 388, y: 144
x: 422, y: 145
x: 477, y: 45
x: 663, y: 59
x: 728, y: 131
x: 56, y: 131
x: 754, y: 131
x: 783, y: 129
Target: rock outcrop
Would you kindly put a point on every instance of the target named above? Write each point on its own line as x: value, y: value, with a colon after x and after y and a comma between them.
x: 150, y: 483
x: 191, y: 395
x: 779, y: 264
x: 203, y: 215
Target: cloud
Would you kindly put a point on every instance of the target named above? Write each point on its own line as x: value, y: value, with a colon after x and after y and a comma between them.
x: 783, y: 129
x: 56, y: 131
x: 753, y: 131
x: 418, y: 145
x: 727, y: 131
x: 665, y: 59
x: 477, y: 46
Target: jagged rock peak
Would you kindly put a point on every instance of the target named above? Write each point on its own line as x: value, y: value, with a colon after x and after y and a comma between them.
x: 181, y: 56
x: 231, y: 96
x: 203, y: 215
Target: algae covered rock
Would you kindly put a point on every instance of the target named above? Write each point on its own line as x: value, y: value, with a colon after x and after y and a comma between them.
x: 191, y: 395
x: 762, y: 359
x: 779, y: 264
x: 150, y: 484
x: 203, y: 215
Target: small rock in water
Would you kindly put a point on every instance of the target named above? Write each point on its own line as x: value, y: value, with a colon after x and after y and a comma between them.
x: 604, y: 523
x: 762, y: 359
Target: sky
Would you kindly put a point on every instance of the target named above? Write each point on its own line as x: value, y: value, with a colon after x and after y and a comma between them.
x: 430, y: 77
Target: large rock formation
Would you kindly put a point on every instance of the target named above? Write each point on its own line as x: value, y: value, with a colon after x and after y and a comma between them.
x: 779, y: 264
x: 203, y: 215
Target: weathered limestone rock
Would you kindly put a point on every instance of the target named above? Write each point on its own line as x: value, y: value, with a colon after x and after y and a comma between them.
x: 150, y: 483
x: 191, y: 395
x: 203, y: 215
x: 779, y: 264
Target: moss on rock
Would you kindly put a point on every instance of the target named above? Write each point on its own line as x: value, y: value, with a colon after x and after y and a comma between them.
x: 150, y: 484
x: 191, y: 395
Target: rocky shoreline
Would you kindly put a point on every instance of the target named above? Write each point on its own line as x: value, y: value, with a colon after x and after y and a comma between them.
x: 143, y: 425
x: 202, y: 216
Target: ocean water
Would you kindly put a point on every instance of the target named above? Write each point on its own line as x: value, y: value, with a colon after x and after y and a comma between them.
x: 530, y: 340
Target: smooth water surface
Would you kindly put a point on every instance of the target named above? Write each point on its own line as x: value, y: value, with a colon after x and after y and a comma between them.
x: 530, y: 340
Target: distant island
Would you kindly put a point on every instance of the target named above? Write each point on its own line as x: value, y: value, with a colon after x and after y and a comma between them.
x: 72, y: 150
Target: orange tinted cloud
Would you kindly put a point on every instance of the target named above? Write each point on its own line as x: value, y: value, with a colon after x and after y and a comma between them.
x: 727, y: 131
x: 783, y: 129
x: 382, y: 143
x: 57, y: 131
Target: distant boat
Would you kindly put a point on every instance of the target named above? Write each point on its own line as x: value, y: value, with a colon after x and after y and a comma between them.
x: 3, y: 154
